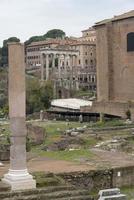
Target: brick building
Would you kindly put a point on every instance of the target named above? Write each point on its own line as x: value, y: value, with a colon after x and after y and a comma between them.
x: 115, y: 65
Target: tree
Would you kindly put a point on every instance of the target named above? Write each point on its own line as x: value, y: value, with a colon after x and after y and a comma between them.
x: 38, y: 96
x: 46, y: 92
x: 34, y: 39
x: 55, y: 33
x: 4, y: 50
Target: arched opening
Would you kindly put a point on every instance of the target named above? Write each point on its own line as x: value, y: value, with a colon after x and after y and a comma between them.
x: 130, y: 42
x: 60, y: 94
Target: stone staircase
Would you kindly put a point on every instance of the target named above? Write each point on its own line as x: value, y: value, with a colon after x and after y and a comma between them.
x: 45, y: 193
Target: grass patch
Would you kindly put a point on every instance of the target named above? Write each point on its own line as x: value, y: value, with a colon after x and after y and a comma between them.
x: 89, y: 141
x: 129, y: 191
x: 111, y: 123
x: 56, y: 129
x: 64, y: 155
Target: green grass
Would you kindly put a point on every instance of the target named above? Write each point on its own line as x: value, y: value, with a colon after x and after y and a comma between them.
x: 56, y: 129
x: 129, y: 191
x: 111, y: 123
x: 89, y: 141
x: 75, y: 155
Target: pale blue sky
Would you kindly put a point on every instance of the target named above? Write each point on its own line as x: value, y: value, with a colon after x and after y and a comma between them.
x: 25, y: 18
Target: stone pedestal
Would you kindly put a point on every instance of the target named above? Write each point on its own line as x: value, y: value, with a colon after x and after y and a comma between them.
x: 17, y: 177
x: 19, y: 180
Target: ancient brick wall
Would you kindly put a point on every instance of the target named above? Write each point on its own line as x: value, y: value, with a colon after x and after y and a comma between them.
x: 115, y: 66
x: 101, y: 179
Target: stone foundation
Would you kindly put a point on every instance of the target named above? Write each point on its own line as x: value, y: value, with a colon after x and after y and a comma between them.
x: 111, y: 108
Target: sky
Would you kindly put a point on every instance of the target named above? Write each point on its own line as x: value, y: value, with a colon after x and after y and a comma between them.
x: 26, y: 18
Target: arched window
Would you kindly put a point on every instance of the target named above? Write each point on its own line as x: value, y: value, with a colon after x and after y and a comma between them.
x: 130, y: 41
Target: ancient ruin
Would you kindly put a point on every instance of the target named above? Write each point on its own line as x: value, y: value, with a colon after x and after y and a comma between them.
x: 17, y: 177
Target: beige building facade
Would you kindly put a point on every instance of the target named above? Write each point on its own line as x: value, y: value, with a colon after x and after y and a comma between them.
x: 86, y: 63
x: 74, y: 61
x: 88, y: 35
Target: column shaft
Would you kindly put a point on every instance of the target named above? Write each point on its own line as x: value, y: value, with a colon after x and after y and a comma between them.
x: 59, y: 67
x: 47, y: 67
x: 42, y: 67
x: 18, y: 176
x: 53, y: 61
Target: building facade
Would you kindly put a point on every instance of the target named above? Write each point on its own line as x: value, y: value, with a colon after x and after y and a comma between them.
x: 86, y: 64
x: 72, y: 67
x: 88, y: 35
x: 33, y: 59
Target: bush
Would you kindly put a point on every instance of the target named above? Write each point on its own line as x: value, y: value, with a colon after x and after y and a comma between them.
x: 38, y: 96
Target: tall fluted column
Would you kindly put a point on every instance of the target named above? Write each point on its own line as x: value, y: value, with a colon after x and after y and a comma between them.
x: 53, y: 61
x: 65, y: 65
x: 47, y: 67
x: 18, y: 176
x: 59, y: 67
x: 42, y: 67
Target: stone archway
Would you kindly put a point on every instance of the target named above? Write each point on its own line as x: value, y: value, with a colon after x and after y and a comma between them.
x: 60, y: 94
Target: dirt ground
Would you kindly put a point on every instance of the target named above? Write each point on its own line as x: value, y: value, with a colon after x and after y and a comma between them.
x: 101, y: 160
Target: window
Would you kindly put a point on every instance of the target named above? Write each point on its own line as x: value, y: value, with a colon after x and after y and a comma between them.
x: 130, y: 42
x: 85, y: 79
x: 91, y: 61
x: 79, y: 62
x: 86, y: 61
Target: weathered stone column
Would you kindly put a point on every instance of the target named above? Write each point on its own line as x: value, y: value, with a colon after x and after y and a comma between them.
x: 65, y: 65
x: 75, y: 61
x: 102, y: 118
x: 42, y: 67
x: 59, y: 67
x: 17, y: 176
x: 77, y: 83
x: 53, y: 61
x: 47, y: 67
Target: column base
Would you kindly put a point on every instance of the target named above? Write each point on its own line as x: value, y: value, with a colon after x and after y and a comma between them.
x: 19, y: 180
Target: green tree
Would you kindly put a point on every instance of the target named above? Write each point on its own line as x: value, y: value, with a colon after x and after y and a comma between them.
x: 38, y: 96
x: 46, y: 92
x: 55, y: 33
x: 34, y: 39
x: 4, y: 50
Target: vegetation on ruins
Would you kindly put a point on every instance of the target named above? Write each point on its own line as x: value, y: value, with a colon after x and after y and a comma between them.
x: 3, y: 93
x: 4, y: 50
x: 39, y: 95
x: 54, y: 33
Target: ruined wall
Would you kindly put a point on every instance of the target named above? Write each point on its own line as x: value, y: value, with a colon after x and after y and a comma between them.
x: 89, y: 179
x: 112, y: 108
x: 101, y: 179
x: 123, y: 176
